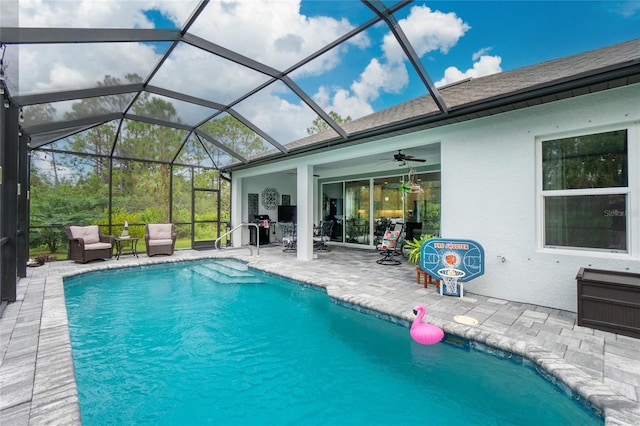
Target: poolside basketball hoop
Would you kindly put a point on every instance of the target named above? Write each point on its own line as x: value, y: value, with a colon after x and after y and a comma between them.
x: 450, y: 277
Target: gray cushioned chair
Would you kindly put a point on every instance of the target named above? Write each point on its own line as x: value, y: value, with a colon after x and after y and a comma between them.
x: 87, y: 243
x: 159, y: 238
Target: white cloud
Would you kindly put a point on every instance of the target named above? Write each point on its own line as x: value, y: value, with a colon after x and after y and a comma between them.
x: 371, y: 79
x: 272, y: 32
x: 62, y: 76
x: 350, y: 106
x: 343, y: 102
x: 98, y: 14
x: 427, y: 30
x: 275, y: 33
x: 61, y: 67
x: 322, y: 96
x: 356, y: 102
x: 486, y: 65
x: 45, y: 68
x: 285, y: 120
x: 627, y: 9
x: 480, y: 53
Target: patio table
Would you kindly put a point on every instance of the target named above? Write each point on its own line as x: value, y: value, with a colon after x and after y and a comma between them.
x: 121, y: 245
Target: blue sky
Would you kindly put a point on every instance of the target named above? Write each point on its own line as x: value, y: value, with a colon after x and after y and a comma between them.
x: 454, y: 39
x: 520, y: 33
x: 527, y: 32
x: 523, y: 33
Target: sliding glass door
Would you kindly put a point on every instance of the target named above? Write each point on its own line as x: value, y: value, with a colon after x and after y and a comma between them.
x: 422, y: 206
x: 363, y: 208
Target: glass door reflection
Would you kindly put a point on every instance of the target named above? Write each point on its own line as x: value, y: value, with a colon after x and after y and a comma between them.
x: 333, y: 208
x: 357, y: 212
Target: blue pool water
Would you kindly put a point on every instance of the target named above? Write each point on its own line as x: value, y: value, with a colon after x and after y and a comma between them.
x: 209, y: 343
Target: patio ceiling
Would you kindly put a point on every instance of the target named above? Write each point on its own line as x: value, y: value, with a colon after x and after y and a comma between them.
x: 189, y: 71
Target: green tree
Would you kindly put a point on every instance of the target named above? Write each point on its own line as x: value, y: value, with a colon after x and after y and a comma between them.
x: 58, y: 204
x: 70, y: 182
x: 139, y: 183
x: 319, y: 125
x: 100, y: 140
x: 234, y: 135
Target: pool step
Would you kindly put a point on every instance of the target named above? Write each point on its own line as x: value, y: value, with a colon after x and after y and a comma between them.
x: 224, y: 274
x: 229, y: 268
x: 239, y: 266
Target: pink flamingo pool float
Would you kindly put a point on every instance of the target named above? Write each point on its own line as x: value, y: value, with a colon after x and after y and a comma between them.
x: 424, y: 333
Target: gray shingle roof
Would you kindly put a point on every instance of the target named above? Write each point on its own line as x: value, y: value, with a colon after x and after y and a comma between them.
x: 574, y: 75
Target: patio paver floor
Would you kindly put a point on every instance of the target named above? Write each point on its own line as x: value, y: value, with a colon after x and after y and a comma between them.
x: 37, y: 383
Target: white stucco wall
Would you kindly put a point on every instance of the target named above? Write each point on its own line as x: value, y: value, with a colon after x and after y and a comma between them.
x: 489, y: 194
x: 489, y: 170
x: 283, y: 182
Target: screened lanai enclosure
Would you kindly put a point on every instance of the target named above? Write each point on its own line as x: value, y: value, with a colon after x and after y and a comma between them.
x: 138, y: 112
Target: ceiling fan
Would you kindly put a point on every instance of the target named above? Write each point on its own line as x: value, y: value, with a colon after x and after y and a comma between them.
x: 403, y: 157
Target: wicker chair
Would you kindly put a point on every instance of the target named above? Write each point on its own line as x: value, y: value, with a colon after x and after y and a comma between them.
x: 160, y: 238
x: 87, y: 243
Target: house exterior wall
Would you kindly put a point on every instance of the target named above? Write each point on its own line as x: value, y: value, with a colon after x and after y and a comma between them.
x: 241, y: 187
x: 490, y: 194
x: 255, y: 185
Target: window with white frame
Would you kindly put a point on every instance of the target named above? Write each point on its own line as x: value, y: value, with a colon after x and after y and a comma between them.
x: 585, y: 191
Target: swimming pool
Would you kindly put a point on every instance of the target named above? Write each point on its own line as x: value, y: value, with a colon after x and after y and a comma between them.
x: 207, y: 343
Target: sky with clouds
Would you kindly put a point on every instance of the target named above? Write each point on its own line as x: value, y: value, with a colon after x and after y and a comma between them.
x: 454, y: 40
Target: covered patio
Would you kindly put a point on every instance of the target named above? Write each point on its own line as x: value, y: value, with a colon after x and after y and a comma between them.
x: 599, y: 368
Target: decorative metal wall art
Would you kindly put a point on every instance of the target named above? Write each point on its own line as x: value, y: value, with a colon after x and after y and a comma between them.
x: 270, y: 198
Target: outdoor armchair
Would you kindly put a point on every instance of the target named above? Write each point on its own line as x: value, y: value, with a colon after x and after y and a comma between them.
x: 87, y: 243
x: 289, y: 240
x: 159, y: 238
x: 389, y: 245
x: 322, y: 234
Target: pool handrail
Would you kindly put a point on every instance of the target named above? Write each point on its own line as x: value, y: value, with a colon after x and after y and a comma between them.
x: 215, y: 244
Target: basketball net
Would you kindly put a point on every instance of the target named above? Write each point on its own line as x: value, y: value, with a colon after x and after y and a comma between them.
x: 450, y: 278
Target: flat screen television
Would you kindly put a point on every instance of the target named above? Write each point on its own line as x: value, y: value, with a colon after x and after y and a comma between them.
x: 287, y: 214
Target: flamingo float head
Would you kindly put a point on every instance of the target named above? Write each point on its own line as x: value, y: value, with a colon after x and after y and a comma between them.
x: 424, y: 333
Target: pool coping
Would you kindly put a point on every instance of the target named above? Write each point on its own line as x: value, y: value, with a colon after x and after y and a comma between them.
x: 53, y: 395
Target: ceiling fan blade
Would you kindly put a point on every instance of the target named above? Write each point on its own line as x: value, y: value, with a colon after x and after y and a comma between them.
x: 411, y: 158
